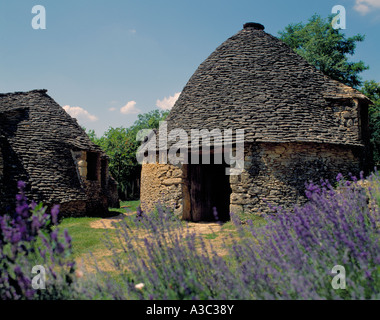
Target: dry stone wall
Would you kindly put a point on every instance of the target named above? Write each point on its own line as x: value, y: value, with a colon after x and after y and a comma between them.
x: 276, y: 173
x: 80, y: 158
x: 163, y: 183
x: 98, y: 198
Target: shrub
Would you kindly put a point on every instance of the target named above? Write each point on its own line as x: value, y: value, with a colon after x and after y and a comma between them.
x: 29, y: 238
x: 289, y: 257
x: 166, y: 260
x: 292, y: 256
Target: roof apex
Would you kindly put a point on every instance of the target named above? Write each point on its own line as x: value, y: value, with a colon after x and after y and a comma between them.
x: 24, y: 92
x: 254, y: 81
x: 253, y: 25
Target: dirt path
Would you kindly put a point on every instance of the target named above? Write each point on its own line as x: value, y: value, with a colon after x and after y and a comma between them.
x: 198, y: 227
x: 108, y: 223
x: 211, y: 232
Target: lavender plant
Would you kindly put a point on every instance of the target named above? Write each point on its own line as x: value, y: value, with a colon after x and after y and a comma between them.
x: 29, y: 238
x: 290, y: 257
x: 293, y: 255
x: 165, y: 263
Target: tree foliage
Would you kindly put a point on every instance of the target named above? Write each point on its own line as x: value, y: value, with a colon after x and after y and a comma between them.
x: 120, y: 145
x: 326, y: 48
x: 372, y: 90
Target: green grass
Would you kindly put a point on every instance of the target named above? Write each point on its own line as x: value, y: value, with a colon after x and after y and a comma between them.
x: 84, y: 238
x: 376, y: 188
x: 127, y: 206
x: 211, y: 236
x: 257, y: 220
x: 87, y: 239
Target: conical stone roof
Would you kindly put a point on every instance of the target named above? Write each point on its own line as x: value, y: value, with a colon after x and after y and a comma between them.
x: 254, y: 81
x: 37, y: 136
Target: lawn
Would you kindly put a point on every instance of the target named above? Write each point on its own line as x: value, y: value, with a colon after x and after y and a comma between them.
x: 287, y: 255
x: 247, y: 258
x: 88, y: 239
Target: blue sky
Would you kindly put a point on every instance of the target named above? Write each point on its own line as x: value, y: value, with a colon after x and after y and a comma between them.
x: 107, y: 61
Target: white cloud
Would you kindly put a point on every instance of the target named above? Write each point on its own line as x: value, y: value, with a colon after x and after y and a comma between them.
x: 80, y: 114
x: 365, y: 6
x: 130, y: 108
x: 168, y: 103
x: 112, y: 109
x: 132, y: 31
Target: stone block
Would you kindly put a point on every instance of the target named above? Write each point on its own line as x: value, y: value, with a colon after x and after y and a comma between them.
x: 236, y: 209
x: 171, y: 181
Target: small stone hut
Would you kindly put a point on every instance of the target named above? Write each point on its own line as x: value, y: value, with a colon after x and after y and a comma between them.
x: 299, y: 125
x: 45, y: 147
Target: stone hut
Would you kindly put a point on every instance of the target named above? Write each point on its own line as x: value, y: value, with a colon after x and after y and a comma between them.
x: 45, y: 147
x: 299, y: 125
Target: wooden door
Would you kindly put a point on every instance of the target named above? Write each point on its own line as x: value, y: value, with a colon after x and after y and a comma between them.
x: 209, y: 189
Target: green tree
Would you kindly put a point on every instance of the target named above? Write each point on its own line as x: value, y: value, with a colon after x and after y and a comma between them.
x: 372, y: 90
x: 326, y: 48
x: 120, y: 145
x: 92, y: 135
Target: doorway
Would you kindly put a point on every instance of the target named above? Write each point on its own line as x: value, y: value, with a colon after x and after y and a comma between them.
x: 208, y: 188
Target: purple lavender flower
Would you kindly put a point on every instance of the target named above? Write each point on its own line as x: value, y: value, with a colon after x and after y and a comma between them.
x: 54, y: 214
x: 19, y: 237
x: 21, y: 185
x: 67, y: 237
